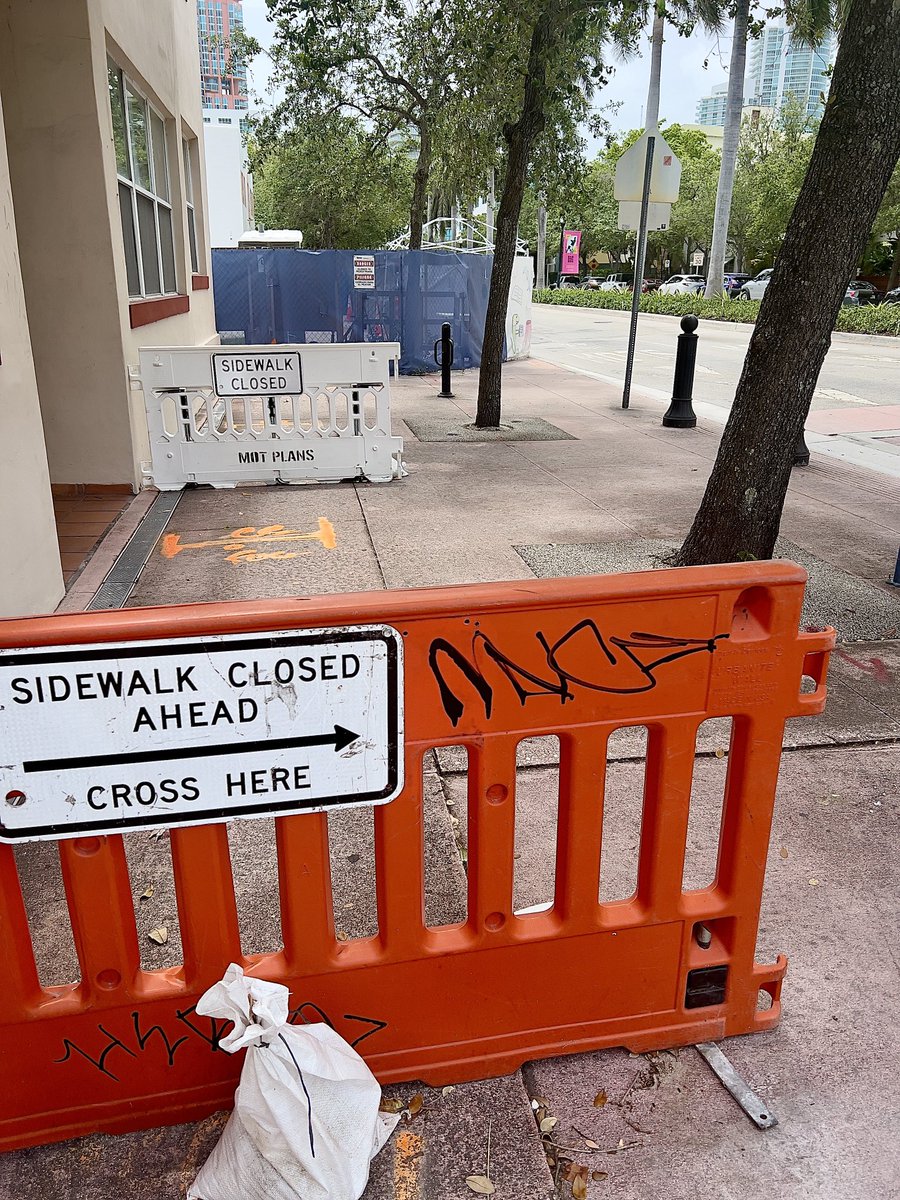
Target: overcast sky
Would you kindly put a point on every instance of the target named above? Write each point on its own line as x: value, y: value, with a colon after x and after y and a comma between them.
x: 684, y: 80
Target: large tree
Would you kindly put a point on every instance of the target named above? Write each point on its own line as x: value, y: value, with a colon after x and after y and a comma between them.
x: 388, y: 60
x: 330, y: 179
x: 559, y: 44
x: 855, y: 153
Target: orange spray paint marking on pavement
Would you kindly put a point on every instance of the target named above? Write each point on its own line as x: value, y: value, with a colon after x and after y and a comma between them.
x: 239, y: 539
x: 409, y: 1149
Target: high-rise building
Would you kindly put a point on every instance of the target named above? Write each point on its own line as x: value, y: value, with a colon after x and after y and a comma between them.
x: 711, y: 108
x: 781, y: 65
x: 224, y: 82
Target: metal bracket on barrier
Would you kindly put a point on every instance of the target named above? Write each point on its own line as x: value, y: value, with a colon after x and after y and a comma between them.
x: 755, y: 1108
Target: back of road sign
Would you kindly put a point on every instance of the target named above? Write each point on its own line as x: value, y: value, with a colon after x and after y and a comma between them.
x: 485, y: 667
x: 665, y: 175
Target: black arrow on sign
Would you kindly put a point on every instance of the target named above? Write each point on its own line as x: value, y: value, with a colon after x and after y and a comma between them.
x: 340, y: 739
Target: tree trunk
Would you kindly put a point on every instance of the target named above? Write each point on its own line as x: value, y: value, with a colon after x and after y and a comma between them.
x: 656, y: 45
x: 856, y: 151
x: 420, y: 188
x: 730, y: 140
x: 520, y: 140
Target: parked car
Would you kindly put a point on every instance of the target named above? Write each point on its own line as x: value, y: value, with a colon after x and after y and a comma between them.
x: 651, y: 285
x: 892, y: 297
x: 754, y: 288
x: 864, y: 292
x: 617, y: 283
x: 592, y: 283
x: 683, y: 285
x: 734, y: 281
x: 567, y: 281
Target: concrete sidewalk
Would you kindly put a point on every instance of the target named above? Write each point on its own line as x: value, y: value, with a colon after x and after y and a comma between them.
x: 600, y: 489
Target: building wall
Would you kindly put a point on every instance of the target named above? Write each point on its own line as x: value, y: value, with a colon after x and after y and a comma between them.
x: 53, y: 68
x: 31, y: 580
x: 65, y: 239
x: 155, y: 44
x: 228, y: 181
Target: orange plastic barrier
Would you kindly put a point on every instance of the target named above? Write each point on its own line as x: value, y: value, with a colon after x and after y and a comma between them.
x: 485, y: 666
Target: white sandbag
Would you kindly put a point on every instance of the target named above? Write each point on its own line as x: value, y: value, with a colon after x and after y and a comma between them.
x: 306, y: 1123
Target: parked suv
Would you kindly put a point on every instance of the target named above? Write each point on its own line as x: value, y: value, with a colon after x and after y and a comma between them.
x: 754, y: 288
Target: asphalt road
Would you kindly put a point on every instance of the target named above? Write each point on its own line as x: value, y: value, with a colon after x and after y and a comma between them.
x: 856, y: 408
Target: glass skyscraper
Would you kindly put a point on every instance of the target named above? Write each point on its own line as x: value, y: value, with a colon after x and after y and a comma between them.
x: 781, y: 66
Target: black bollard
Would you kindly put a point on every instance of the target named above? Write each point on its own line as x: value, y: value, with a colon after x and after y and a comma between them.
x: 445, y: 362
x: 895, y: 582
x: 801, y: 452
x: 680, y: 414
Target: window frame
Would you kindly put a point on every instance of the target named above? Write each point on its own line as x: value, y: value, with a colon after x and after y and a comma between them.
x: 190, y: 207
x: 154, y: 193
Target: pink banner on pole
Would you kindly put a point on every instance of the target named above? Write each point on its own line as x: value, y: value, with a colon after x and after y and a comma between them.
x: 571, y: 249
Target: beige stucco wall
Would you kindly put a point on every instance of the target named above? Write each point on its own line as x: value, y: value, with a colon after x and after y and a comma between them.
x: 53, y: 72
x: 31, y: 578
x: 65, y: 238
x: 155, y: 43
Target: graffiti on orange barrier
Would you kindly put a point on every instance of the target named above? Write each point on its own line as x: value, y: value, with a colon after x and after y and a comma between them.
x: 239, y: 542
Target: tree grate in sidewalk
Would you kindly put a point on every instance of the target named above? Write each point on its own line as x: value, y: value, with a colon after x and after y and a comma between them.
x: 119, y: 583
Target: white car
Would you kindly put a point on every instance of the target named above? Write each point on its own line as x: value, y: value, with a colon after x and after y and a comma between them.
x: 683, y: 285
x: 615, y: 283
x: 753, y: 289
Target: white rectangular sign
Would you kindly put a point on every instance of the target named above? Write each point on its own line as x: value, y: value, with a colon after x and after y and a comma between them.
x: 659, y: 216
x: 106, y: 738
x: 364, y: 270
x: 275, y: 373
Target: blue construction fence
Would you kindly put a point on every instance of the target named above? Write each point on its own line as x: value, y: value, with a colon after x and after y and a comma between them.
x: 265, y: 296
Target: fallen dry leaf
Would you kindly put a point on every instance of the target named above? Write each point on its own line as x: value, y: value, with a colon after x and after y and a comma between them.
x: 342, y: 936
x: 720, y: 753
x: 597, y: 1175
x: 160, y: 935
x: 415, y: 1105
x: 391, y: 1106
x: 579, y: 1188
x: 549, y: 1123
x: 591, y: 1145
x: 814, y: 883
x: 600, y: 1099
x: 447, y: 1090
x: 480, y: 1184
x: 783, y: 852
x: 147, y: 892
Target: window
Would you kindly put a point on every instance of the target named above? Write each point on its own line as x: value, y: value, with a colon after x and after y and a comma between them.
x: 189, y: 204
x: 142, y: 168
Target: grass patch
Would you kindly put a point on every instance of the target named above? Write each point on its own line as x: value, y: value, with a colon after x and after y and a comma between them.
x: 870, y: 318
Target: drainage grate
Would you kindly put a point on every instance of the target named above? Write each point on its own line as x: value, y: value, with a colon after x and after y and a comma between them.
x: 118, y: 584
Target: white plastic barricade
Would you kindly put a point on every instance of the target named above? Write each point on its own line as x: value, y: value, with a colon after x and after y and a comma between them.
x: 225, y: 416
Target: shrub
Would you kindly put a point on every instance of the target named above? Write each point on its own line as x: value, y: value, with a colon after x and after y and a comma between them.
x: 871, y: 319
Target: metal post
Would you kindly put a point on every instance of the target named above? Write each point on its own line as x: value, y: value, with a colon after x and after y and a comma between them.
x: 559, y: 274
x: 541, y: 246
x: 445, y: 362
x: 640, y: 254
x: 680, y: 414
x: 801, y: 452
x: 895, y: 582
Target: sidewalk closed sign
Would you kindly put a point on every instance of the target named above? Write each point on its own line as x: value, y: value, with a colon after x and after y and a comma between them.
x: 275, y: 373
x: 107, y: 738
